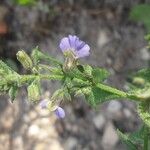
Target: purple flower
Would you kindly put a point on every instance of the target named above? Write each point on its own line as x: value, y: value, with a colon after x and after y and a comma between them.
x: 43, y: 104
x: 74, y: 44
x: 60, y: 113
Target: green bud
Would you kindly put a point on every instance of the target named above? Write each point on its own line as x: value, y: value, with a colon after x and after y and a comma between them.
x: 34, y: 91
x: 51, y: 106
x: 24, y: 59
x: 138, y: 81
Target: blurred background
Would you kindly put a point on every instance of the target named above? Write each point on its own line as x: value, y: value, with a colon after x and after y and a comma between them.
x: 115, y: 31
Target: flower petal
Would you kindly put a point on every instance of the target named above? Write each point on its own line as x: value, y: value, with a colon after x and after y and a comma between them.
x: 79, y: 44
x: 64, y: 44
x: 84, y: 51
x: 72, y: 40
x: 60, y: 113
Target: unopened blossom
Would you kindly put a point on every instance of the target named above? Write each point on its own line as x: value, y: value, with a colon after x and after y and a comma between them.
x: 60, y: 113
x: 46, y: 104
x: 73, y: 44
x: 43, y: 104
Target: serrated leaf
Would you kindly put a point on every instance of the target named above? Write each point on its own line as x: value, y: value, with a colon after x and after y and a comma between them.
x: 97, y: 96
x: 99, y: 74
x: 91, y: 98
x: 125, y: 139
x: 143, y: 111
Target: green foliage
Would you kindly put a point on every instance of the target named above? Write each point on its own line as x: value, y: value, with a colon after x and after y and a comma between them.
x: 141, y: 85
x: 77, y: 80
x: 6, y: 70
x: 145, y: 74
x: 99, y: 74
x: 141, y: 13
x: 133, y: 141
x: 143, y: 111
x: 13, y: 91
x: 7, y: 76
x: 58, y: 94
x: 25, y: 2
x: 97, y: 95
x: 147, y: 37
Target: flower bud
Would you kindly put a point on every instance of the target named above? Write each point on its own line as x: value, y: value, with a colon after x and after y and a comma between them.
x: 43, y: 104
x: 60, y: 113
x: 24, y: 59
x: 34, y: 91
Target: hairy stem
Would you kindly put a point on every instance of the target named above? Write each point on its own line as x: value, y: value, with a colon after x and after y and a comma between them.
x: 112, y: 90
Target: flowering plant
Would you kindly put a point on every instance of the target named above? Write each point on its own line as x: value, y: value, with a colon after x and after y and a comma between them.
x: 77, y: 79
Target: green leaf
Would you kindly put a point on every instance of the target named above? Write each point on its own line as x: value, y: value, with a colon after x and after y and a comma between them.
x: 42, y: 56
x: 141, y: 13
x: 125, y: 139
x: 13, y: 93
x: 34, y: 56
x: 143, y: 111
x: 99, y: 75
x: 58, y: 94
x: 98, y: 95
x: 5, y: 69
x: 144, y: 73
x: 88, y: 70
x: 90, y: 97
x: 67, y: 95
x: 138, y: 136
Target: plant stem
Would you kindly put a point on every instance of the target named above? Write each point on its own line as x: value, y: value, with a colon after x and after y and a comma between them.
x: 145, y: 138
x: 112, y: 90
x: 25, y: 78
